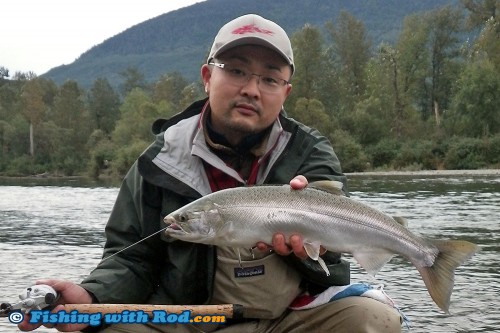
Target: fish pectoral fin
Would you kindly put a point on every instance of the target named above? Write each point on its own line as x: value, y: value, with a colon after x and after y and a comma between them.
x: 313, y: 250
x: 372, y: 260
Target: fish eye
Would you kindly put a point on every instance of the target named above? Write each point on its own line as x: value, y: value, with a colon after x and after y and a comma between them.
x: 183, y: 217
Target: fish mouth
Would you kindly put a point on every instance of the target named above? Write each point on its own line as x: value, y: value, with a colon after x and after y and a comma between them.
x: 173, y: 226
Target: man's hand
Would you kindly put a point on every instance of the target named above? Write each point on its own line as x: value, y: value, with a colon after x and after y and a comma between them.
x: 69, y: 293
x: 294, y: 244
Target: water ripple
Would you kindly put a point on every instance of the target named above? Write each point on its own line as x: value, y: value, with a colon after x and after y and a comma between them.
x: 49, y: 231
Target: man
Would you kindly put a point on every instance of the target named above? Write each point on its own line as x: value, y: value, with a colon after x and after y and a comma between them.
x: 238, y: 136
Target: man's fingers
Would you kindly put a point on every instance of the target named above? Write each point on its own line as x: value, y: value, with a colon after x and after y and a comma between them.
x: 280, y: 246
x: 298, y: 182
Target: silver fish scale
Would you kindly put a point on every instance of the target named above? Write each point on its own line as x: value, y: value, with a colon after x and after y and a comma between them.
x: 241, y: 217
x: 280, y: 209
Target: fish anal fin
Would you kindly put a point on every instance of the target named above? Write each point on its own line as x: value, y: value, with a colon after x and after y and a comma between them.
x: 330, y: 186
x: 372, y: 260
x: 439, y: 278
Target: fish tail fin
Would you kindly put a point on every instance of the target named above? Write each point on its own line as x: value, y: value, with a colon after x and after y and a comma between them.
x: 440, y: 277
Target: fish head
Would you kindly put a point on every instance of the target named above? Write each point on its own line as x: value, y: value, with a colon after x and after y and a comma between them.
x: 197, y: 225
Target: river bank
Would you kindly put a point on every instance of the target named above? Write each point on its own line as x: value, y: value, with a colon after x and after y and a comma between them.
x: 479, y: 172
x: 56, y: 180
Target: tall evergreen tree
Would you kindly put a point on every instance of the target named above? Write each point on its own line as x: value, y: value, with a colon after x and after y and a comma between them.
x: 103, y: 104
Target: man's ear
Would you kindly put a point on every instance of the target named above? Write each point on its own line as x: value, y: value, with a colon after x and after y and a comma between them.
x: 288, y: 89
x: 205, y: 76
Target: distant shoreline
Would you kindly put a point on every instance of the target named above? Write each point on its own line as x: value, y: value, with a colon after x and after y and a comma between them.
x: 425, y: 173
x: 478, y: 172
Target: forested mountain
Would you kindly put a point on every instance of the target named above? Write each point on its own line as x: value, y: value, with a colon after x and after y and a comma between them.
x: 392, y: 85
x: 179, y: 40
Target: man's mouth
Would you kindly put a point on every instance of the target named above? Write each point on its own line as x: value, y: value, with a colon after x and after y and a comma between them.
x: 246, y: 108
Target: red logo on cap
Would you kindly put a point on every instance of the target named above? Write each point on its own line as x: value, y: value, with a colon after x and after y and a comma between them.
x: 251, y: 28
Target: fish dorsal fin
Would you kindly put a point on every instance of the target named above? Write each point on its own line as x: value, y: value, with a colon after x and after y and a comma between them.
x: 401, y: 220
x: 331, y: 186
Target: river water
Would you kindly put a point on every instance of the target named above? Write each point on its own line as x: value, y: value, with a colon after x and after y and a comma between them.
x: 55, y: 230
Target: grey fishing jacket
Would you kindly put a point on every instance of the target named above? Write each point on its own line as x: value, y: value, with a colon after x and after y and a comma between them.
x: 170, y: 174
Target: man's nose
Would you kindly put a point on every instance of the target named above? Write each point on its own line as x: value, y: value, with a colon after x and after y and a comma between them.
x: 251, y: 87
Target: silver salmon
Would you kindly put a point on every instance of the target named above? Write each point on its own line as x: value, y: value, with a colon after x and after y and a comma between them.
x: 240, y: 217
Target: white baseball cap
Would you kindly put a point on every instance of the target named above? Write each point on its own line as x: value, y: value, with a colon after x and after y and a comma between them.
x: 256, y: 30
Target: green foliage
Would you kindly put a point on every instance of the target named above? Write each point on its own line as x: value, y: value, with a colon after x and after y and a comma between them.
x: 350, y: 53
x: 126, y: 156
x: 132, y: 78
x: 310, y: 63
x: 102, y: 152
x: 312, y: 113
x: 20, y: 166
x: 179, y: 41
x: 103, y: 104
x: 137, y: 115
x: 417, y: 153
x: 390, y: 110
x: 384, y: 152
x: 466, y: 153
x: 366, y: 123
x: 476, y: 101
x: 492, y: 154
x: 349, y: 152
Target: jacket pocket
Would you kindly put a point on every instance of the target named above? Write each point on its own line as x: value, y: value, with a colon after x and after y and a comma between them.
x: 265, y: 287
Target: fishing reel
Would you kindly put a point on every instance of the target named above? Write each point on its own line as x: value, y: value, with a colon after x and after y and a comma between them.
x: 37, y: 297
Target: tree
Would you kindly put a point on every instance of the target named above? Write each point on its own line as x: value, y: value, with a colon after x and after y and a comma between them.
x: 309, y: 61
x: 189, y: 94
x: 405, y: 68
x: 351, y: 52
x: 487, y: 45
x: 69, y: 108
x: 6, y: 132
x: 4, y: 73
x: 445, y: 23
x: 132, y: 133
x: 137, y: 114
x: 132, y: 78
x: 312, y: 113
x: 481, y: 11
x: 476, y: 101
x: 169, y: 88
x: 103, y: 105
x: 413, y: 58
x: 33, y: 106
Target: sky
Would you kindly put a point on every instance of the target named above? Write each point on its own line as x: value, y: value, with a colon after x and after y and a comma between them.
x: 37, y: 35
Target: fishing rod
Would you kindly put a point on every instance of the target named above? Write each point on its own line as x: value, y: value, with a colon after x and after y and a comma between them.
x: 44, y: 297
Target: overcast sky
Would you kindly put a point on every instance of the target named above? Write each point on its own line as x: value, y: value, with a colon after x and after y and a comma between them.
x: 37, y: 35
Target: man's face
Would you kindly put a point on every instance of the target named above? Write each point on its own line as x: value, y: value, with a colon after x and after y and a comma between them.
x: 239, y: 110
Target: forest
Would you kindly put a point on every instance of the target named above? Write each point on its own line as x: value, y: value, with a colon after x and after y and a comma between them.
x: 430, y: 100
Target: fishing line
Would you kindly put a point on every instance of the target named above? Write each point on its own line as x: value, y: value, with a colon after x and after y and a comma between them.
x: 139, y: 241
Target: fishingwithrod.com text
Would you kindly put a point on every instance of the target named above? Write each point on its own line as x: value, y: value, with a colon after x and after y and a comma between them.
x: 124, y: 317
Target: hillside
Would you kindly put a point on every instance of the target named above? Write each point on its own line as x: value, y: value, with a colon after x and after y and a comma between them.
x: 179, y: 40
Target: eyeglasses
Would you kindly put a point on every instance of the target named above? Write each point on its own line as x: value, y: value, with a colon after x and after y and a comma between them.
x: 240, y: 77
